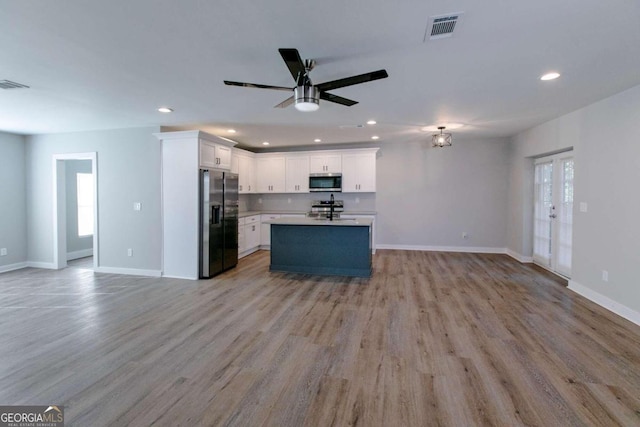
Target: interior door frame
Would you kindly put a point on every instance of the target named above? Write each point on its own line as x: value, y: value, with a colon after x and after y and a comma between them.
x: 556, y: 188
x: 59, y: 207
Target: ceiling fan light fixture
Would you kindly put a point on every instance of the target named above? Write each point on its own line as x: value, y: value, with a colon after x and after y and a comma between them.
x: 441, y: 139
x: 307, y: 98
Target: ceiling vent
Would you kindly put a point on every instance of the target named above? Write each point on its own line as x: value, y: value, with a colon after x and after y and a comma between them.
x: 442, y: 26
x: 8, y: 84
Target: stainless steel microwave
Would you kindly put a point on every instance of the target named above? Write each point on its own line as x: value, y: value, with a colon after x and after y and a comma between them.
x: 327, y: 182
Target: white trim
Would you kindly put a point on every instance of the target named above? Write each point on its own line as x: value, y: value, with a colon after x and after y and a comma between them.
x: 464, y: 249
x: 59, y: 239
x: 79, y: 254
x: 46, y: 265
x: 518, y: 257
x: 179, y: 277
x: 11, y: 267
x: 128, y: 271
x: 606, y: 302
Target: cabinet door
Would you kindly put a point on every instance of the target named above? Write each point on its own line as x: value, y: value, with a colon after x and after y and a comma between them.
x: 359, y: 173
x: 297, y: 174
x: 241, y: 239
x: 270, y: 175
x: 246, y: 175
x: 213, y: 156
x: 252, y: 235
x: 325, y: 163
x: 223, y: 157
x: 207, y: 154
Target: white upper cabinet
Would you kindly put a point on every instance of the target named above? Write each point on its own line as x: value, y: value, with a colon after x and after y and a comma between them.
x: 359, y: 172
x: 270, y: 174
x: 243, y: 163
x: 297, y: 174
x: 246, y: 175
x: 325, y: 163
x: 214, y: 156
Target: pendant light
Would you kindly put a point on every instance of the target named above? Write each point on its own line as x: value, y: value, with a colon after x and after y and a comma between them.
x: 441, y: 139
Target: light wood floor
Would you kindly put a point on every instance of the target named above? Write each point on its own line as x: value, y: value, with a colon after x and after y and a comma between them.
x: 431, y: 339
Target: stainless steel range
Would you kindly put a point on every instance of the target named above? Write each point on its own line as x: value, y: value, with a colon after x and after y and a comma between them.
x: 322, y: 208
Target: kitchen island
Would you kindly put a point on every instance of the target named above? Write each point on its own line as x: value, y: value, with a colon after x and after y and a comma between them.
x: 341, y: 247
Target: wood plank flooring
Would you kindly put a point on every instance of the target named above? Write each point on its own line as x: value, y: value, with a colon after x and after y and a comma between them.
x: 431, y: 339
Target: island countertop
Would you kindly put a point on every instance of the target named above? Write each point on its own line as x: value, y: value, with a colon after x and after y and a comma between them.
x: 342, y: 222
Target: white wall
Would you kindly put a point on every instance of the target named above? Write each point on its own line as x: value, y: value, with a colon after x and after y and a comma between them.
x: 606, y: 140
x: 128, y: 171
x: 427, y: 197
x: 13, y: 208
x: 77, y: 246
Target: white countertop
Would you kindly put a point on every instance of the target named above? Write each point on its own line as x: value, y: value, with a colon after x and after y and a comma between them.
x: 360, y: 222
x: 251, y: 213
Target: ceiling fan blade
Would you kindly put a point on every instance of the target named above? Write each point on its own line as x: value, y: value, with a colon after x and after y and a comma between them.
x: 349, y: 81
x: 285, y: 103
x: 259, y: 86
x: 337, y: 99
x: 294, y: 64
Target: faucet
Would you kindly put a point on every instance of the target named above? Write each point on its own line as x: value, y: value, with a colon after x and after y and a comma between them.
x: 331, y: 207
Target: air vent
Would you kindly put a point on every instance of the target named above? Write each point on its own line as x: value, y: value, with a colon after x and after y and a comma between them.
x: 8, y: 84
x: 442, y: 26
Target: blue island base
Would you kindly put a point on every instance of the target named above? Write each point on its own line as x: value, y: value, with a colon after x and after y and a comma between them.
x: 324, y: 250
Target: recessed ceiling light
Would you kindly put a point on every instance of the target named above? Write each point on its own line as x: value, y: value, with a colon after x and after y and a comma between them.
x: 317, y: 140
x: 231, y: 130
x: 165, y: 110
x: 371, y: 122
x: 550, y: 76
x: 375, y: 137
x: 265, y: 143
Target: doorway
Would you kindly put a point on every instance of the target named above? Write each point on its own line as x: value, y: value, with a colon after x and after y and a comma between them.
x: 61, y: 194
x: 553, y: 212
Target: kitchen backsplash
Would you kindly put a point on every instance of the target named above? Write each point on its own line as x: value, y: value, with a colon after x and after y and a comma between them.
x: 302, y: 202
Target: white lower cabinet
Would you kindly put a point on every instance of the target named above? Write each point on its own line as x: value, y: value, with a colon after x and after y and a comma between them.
x: 265, y: 230
x: 248, y: 235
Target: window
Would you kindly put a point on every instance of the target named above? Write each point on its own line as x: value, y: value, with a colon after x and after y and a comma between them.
x: 85, y: 204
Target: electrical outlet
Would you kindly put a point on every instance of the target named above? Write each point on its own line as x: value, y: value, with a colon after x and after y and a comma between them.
x: 357, y: 200
x: 465, y: 235
x: 3, y: 252
x: 129, y: 252
x: 260, y: 201
x: 583, y: 206
x: 137, y: 206
x: 289, y: 200
x: 605, y: 275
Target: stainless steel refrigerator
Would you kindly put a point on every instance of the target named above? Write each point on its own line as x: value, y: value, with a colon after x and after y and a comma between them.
x: 218, y: 222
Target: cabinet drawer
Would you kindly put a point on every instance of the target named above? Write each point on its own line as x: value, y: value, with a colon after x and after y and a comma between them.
x: 251, y: 219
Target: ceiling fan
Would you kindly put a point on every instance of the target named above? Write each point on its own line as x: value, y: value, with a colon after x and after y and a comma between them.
x: 306, y: 95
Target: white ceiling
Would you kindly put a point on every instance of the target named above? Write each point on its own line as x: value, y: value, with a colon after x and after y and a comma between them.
x: 111, y: 64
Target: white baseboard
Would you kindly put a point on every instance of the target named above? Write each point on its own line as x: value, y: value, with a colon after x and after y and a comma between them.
x: 168, y: 276
x: 47, y: 265
x: 79, y: 254
x: 466, y: 249
x: 248, y: 252
x: 606, y: 302
x: 520, y: 258
x: 129, y: 271
x: 11, y: 267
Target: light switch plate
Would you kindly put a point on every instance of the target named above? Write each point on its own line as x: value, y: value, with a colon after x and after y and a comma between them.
x: 3, y: 252
x: 137, y: 206
x: 583, y: 206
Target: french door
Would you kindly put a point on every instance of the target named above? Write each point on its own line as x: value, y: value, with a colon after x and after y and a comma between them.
x: 553, y: 212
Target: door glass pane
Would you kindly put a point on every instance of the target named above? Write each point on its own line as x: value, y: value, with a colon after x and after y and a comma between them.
x: 542, y: 210
x: 565, y: 218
